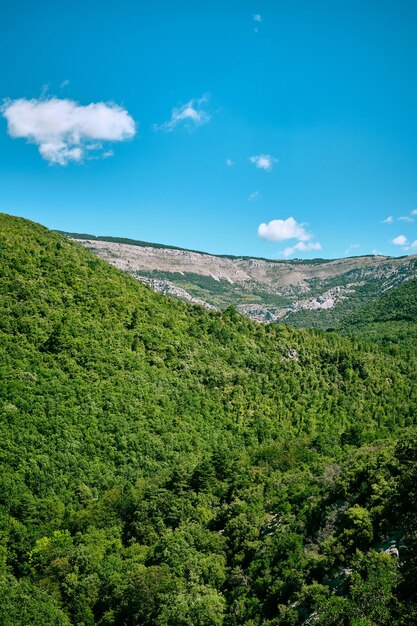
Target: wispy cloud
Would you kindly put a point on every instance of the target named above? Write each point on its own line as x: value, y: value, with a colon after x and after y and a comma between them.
x: 401, y: 240
x: 353, y: 246
x: 190, y: 115
x: 263, y: 161
x: 301, y: 246
x: 229, y: 162
x: 402, y: 218
x: 257, y: 18
x: 64, y: 130
x: 255, y: 195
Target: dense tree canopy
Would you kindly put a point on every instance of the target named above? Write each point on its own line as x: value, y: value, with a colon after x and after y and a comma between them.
x: 166, y: 465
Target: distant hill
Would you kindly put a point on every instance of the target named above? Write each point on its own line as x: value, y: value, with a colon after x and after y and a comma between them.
x: 319, y: 293
x: 166, y: 465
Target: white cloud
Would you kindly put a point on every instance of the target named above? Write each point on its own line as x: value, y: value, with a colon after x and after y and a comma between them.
x: 64, y: 130
x: 229, y: 163
x: 301, y: 246
x: 401, y: 240
x: 388, y: 220
x: 263, y: 161
x: 405, y: 218
x: 257, y: 18
x: 414, y: 212
x: 281, y: 230
x: 190, y: 115
x: 255, y: 195
x: 65, y: 83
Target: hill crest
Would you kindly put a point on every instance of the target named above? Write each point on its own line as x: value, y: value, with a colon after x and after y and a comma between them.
x: 316, y: 293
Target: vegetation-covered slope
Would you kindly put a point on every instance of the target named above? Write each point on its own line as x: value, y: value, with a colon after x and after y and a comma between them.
x: 316, y: 293
x: 392, y: 319
x: 162, y: 464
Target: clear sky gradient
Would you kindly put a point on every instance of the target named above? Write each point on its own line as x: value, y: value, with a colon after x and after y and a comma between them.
x: 324, y: 92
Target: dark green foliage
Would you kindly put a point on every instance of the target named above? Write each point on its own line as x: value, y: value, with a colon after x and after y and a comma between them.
x: 390, y: 320
x: 166, y: 465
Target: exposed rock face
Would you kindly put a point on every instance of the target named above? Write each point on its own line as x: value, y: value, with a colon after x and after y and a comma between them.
x: 164, y: 286
x: 315, y: 293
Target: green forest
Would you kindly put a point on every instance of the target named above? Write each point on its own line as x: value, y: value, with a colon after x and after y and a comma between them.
x: 166, y: 465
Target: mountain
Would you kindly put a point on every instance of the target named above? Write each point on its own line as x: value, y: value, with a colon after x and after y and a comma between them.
x: 318, y: 293
x: 167, y: 465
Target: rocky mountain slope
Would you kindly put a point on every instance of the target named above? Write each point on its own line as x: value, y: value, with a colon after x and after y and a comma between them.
x: 317, y: 293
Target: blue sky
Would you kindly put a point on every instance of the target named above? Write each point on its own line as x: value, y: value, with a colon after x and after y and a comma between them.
x: 209, y: 127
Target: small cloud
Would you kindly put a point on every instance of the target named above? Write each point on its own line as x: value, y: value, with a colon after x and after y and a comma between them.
x: 257, y: 18
x: 281, y: 230
x: 263, y: 161
x: 64, y: 84
x: 255, y: 195
x: 411, y: 246
x: 353, y: 246
x: 405, y: 218
x: 190, y: 116
x: 64, y: 130
x: 401, y: 240
x: 414, y: 212
x: 388, y: 220
x: 229, y: 162
x: 302, y: 247
x: 93, y: 146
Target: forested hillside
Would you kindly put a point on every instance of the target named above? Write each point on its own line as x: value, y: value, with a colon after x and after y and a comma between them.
x: 390, y: 320
x: 166, y: 465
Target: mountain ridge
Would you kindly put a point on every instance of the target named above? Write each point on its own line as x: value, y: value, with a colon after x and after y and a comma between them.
x: 144, y: 244
x: 316, y: 293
